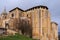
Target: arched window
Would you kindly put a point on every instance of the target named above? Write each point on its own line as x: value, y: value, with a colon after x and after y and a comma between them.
x: 27, y: 15
x: 5, y: 17
x: 12, y: 15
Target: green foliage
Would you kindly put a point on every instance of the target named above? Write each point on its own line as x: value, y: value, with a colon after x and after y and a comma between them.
x: 15, y: 37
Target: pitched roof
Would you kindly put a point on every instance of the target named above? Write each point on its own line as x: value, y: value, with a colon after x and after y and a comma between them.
x: 16, y: 8
x: 30, y: 8
x: 37, y: 7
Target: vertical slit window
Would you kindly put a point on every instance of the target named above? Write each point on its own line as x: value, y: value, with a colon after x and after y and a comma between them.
x: 12, y: 15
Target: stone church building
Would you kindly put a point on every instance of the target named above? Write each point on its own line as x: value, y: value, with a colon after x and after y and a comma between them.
x: 34, y: 22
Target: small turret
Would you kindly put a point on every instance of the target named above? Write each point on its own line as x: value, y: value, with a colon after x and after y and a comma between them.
x: 4, y: 14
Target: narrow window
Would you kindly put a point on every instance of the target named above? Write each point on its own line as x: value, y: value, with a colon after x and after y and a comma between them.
x: 5, y: 17
x: 12, y: 15
x: 27, y: 15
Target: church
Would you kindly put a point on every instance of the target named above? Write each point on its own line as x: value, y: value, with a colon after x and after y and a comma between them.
x: 34, y: 22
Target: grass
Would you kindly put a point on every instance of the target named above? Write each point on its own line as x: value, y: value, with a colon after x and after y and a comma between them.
x: 15, y: 37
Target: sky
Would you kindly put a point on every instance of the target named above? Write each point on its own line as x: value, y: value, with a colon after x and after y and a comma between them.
x: 53, y: 6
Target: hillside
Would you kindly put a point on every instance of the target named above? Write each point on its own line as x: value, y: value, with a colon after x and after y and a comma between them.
x: 15, y: 37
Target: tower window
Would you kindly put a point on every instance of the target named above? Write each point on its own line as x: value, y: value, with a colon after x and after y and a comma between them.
x: 12, y: 15
x: 27, y: 15
x: 5, y: 17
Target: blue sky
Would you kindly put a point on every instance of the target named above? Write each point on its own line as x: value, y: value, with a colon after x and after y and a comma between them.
x: 53, y: 6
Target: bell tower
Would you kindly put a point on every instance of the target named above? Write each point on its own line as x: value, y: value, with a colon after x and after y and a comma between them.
x: 4, y: 14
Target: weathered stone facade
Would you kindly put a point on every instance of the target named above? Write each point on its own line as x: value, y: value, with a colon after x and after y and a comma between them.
x: 34, y: 22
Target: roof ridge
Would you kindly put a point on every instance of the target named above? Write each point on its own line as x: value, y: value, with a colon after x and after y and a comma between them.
x: 30, y: 8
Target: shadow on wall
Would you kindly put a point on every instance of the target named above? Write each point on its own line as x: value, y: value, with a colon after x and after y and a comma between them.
x: 26, y: 28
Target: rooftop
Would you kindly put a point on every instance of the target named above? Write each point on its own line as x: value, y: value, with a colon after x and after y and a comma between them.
x: 55, y: 23
x: 30, y: 8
